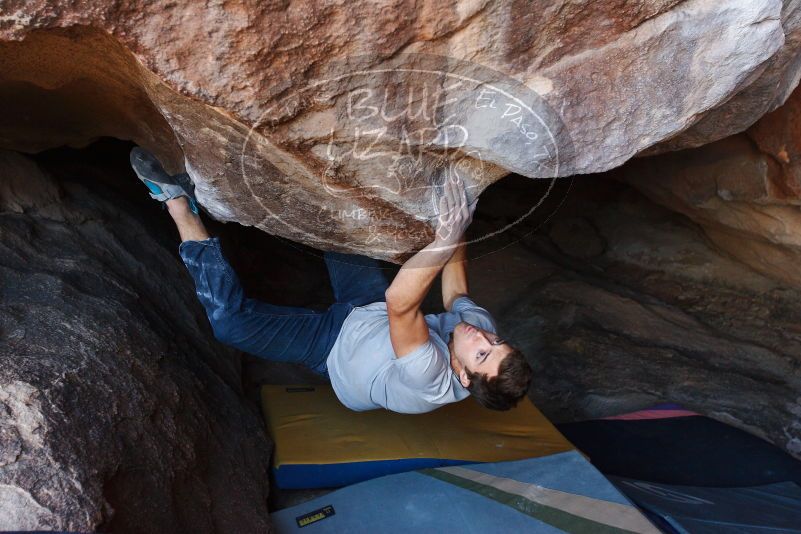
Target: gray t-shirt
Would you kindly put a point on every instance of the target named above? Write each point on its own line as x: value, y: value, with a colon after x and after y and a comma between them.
x: 366, y: 375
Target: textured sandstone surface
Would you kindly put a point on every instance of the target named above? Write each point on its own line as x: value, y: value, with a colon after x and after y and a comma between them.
x: 778, y: 135
x: 778, y: 79
x: 332, y: 123
x: 118, y: 410
x: 744, y: 191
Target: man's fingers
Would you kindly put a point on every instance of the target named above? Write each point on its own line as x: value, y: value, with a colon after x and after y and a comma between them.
x: 445, y: 216
x: 453, y: 199
x: 455, y: 209
x: 461, y: 193
x: 446, y: 194
x: 442, y: 203
x: 463, y: 199
x: 456, y: 191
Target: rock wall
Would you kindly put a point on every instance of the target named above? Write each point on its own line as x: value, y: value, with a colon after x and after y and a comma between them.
x: 658, y: 315
x: 744, y: 191
x: 332, y: 124
x: 118, y: 410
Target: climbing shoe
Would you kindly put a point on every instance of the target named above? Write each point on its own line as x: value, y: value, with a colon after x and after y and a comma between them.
x: 161, y: 185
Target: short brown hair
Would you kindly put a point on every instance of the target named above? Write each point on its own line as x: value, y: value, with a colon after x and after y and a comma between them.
x: 503, y: 391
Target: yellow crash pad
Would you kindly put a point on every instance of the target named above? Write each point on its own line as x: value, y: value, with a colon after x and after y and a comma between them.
x: 312, y: 428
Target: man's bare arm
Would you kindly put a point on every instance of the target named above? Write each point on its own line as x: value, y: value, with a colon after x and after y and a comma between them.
x: 454, y: 276
x: 407, y: 326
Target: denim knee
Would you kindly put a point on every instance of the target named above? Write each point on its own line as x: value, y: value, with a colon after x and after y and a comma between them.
x: 223, y: 326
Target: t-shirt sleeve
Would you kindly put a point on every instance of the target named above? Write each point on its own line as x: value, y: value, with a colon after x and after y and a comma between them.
x: 425, y: 369
x: 474, y: 314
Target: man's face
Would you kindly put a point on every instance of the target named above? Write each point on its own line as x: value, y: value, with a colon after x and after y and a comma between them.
x: 476, y: 350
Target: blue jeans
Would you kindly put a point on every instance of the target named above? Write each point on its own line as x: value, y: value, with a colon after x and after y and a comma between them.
x: 280, y: 333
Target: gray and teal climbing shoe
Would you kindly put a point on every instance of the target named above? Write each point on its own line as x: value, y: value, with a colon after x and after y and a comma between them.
x: 161, y: 185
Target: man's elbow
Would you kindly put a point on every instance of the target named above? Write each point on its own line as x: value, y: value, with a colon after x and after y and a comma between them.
x: 396, y: 303
x: 448, y: 302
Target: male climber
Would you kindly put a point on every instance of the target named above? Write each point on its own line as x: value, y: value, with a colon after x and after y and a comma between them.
x: 374, y: 344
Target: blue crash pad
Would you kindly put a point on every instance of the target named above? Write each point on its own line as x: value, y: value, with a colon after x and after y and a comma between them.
x: 557, y: 493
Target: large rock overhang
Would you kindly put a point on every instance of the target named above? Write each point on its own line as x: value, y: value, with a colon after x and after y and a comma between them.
x: 278, y: 113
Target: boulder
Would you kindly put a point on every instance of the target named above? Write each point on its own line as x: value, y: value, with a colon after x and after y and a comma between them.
x: 766, y: 93
x: 335, y: 124
x: 118, y: 410
x: 744, y: 191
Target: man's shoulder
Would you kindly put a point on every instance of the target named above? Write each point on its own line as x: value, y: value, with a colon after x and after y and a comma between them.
x: 465, y: 302
x: 473, y: 313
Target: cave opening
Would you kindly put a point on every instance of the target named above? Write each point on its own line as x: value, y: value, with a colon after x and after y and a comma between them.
x: 618, y: 302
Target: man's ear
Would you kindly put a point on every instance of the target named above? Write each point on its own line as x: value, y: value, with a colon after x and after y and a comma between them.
x: 463, y: 378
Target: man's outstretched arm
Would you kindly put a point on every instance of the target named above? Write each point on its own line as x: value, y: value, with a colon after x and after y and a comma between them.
x: 407, y: 326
